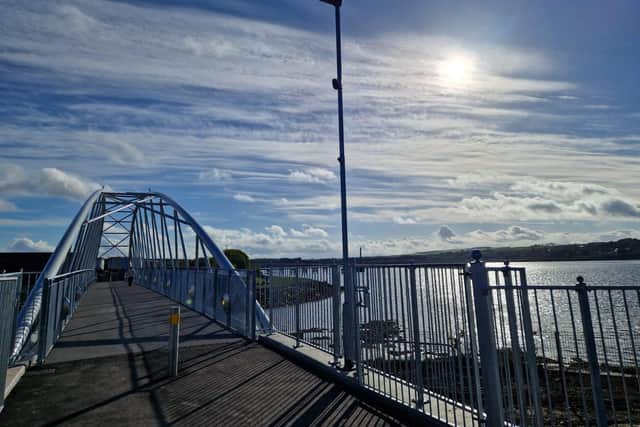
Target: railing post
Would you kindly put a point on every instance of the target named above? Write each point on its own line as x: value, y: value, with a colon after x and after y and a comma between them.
x: 44, y: 321
x: 487, y: 342
x: 534, y: 386
x: 473, y: 339
x: 417, y: 351
x: 19, y: 290
x: 355, y: 316
x: 247, y: 307
x: 297, y: 306
x: 215, y: 294
x: 335, y: 281
x: 254, y: 304
x: 8, y: 292
x: 227, y: 297
x: 174, y: 340
x: 515, y: 341
x: 270, y: 299
x: 592, y: 353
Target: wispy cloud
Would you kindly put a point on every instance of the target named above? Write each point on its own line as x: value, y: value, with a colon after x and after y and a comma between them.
x: 214, y: 175
x: 312, y: 176
x: 244, y: 198
x: 7, y: 206
x: 212, y: 99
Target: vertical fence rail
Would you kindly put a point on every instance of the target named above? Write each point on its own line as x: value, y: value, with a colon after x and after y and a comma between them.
x: 302, y: 302
x: 490, y: 377
x: 592, y: 354
x: 417, y: 348
x: 228, y: 296
x: 9, y: 286
x: 567, y: 353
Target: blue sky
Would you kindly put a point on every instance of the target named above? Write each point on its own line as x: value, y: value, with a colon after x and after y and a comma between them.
x: 467, y: 123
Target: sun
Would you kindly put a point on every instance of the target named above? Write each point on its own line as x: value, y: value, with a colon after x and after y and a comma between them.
x: 456, y: 72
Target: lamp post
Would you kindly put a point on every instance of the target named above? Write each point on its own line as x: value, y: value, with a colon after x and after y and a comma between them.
x: 348, y: 306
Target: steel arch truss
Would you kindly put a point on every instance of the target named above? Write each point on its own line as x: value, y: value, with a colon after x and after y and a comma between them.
x: 167, y: 251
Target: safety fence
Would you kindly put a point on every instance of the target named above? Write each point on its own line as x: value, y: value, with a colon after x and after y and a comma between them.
x: 303, y: 302
x: 567, y: 354
x: 472, y: 344
x: 414, y: 341
x: 9, y: 285
x: 25, y: 285
x: 227, y: 296
x: 60, y: 297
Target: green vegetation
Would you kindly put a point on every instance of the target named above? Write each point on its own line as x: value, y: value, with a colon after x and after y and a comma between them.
x: 239, y: 259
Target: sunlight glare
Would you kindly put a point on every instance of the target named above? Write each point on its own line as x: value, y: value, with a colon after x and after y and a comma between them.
x: 456, y: 71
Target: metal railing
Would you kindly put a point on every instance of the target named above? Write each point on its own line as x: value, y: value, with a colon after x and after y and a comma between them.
x: 304, y: 302
x: 60, y: 297
x: 227, y: 296
x: 567, y: 354
x: 9, y: 285
x: 26, y: 284
x: 415, y: 343
x: 471, y: 344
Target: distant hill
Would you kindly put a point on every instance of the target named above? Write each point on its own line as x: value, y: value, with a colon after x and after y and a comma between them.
x: 615, y: 250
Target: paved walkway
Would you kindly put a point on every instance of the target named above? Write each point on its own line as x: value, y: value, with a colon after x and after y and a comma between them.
x: 109, y: 368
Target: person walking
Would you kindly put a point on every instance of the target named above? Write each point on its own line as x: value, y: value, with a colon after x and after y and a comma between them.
x: 129, y: 275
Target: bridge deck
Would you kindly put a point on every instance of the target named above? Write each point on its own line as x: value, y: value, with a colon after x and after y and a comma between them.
x: 110, y: 368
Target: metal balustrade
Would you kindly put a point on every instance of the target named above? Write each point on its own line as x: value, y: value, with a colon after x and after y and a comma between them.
x: 227, y: 296
x: 415, y: 343
x: 304, y: 302
x: 567, y: 354
x: 9, y: 286
x: 463, y: 344
x: 60, y: 297
x: 471, y: 344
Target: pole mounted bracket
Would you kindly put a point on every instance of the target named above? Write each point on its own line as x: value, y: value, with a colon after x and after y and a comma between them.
x: 336, y: 84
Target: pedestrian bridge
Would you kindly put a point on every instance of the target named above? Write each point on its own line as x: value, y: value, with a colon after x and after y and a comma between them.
x: 433, y: 344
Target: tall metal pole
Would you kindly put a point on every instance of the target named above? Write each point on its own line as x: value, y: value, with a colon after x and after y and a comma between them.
x: 348, y: 306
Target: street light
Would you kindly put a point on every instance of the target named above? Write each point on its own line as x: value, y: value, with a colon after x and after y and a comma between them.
x: 348, y: 308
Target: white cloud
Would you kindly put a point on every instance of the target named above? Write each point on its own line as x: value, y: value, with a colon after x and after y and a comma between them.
x: 312, y: 176
x: 418, y: 154
x: 276, y: 230
x: 315, y: 232
x: 309, y: 231
x: 539, y: 200
x: 47, y: 181
x: 25, y: 244
x: 245, y: 198
x: 259, y: 244
x: 310, y: 243
x: 7, y: 206
x: 76, y: 19
x: 214, y: 175
x: 513, y: 234
x: 404, y: 220
x: 446, y: 234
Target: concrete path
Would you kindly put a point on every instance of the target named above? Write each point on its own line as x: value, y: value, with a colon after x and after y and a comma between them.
x: 109, y: 368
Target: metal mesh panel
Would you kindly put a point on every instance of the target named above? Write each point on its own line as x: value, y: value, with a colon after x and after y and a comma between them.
x: 8, y: 292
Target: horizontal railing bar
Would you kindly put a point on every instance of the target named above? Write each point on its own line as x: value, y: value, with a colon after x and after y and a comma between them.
x: 400, y: 265
x: 71, y: 273
x: 570, y: 287
x: 9, y: 275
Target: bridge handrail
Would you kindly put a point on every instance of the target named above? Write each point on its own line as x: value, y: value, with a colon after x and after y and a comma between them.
x: 31, y: 309
x: 219, y: 255
x: 71, y: 273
